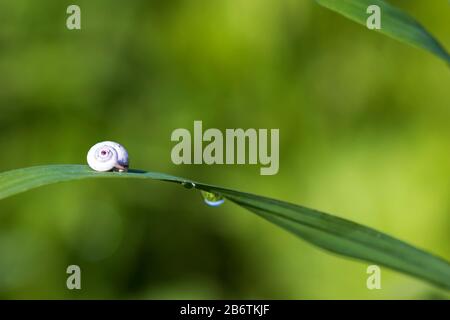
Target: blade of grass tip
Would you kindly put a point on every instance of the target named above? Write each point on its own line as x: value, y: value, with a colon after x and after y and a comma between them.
x: 344, y: 237
x: 394, y: 23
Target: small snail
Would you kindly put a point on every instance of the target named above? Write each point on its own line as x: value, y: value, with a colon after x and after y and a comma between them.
x: 107, y: 156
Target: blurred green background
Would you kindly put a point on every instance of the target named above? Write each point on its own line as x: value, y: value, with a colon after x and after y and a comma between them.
x: 364, y: 134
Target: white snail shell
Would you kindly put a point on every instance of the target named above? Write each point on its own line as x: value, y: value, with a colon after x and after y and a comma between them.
x: 107, y: 156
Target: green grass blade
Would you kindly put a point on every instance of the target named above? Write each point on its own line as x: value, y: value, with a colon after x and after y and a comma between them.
x: 326, y: 231
x: 394, y: 23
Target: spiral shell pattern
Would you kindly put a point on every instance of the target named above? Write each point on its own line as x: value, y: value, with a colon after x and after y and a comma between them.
x: 107, y: 156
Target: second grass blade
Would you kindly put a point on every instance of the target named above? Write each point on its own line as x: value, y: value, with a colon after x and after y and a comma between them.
x: 394, y: 23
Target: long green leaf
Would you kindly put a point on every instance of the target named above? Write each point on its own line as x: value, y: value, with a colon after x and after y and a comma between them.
x: 394, y: 23
x: 326, y: 231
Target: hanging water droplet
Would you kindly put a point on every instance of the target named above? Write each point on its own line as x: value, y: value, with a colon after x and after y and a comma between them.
x: 188, y: 184
x: 212, y: 199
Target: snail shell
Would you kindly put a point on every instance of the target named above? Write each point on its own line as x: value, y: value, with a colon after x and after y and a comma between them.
x: 107, y: 156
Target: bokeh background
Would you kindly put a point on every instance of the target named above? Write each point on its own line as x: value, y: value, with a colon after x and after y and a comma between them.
x: 364, y: 134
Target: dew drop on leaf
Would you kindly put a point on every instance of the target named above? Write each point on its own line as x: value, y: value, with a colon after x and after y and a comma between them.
x: 212, y: 199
